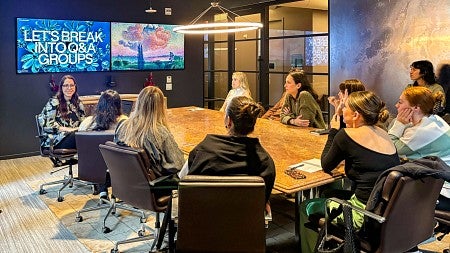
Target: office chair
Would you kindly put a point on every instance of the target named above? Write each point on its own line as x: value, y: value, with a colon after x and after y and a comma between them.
x: 91, y: 166
x: 221, y: 214
x: 134, y: 183
x: 61, y: 159
x: 402, y: 218
x: 443, y: 219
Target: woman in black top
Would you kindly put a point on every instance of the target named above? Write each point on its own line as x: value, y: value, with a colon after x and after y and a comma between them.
x: 366, y: 149
x: 234, y: 153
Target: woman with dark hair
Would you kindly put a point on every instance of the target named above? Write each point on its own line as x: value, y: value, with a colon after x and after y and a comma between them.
x: 234, y: 153
x: 300, y: 106
x: 63, y: 113
x: 422, y: 73
x: 444, y: 80
x: 107, y: 113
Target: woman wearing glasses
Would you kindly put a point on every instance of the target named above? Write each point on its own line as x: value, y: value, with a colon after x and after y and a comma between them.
x: 62, y: 114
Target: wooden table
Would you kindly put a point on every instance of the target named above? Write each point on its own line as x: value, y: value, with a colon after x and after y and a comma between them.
x: 287, y: 145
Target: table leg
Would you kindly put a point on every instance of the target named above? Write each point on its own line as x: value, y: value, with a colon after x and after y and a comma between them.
x: 298, y: 201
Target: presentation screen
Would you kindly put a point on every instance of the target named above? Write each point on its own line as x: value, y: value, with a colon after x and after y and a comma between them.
x: 50, y: 46
x: 137, y: 46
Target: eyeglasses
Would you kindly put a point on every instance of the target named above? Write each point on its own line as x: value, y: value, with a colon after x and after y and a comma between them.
x: 68, y: 85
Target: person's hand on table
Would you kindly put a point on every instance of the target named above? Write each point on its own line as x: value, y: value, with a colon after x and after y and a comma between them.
x: 299, y: 121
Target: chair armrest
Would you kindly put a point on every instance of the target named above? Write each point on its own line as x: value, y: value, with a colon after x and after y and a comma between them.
x: 376, y: 217
x: 158, y: 180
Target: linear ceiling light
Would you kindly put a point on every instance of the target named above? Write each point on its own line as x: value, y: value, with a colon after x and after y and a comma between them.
x: 220, y: 27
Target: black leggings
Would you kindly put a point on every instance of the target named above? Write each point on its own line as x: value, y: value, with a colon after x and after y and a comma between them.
x: 68, y: 142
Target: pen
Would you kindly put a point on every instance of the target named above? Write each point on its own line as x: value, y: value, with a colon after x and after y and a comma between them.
x: 297, y: 166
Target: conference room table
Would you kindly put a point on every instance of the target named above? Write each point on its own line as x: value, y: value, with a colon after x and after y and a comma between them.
x: 287, y: 145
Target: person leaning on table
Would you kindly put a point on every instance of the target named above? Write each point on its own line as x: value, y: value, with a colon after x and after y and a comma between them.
x: 234, y: 153
x: 300, y: 106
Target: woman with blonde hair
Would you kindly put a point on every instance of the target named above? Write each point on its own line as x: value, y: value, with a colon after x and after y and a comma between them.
x: 147, y: 128
x: 239, y: 86
x: 359, y: 144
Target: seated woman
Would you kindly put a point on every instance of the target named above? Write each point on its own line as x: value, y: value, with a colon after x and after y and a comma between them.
x: 239, y: 86
x: 147, y: 128
x: 345, y: 88
x: 422, y: 73
x: 234, y: 153
x: 300, y: 107
x: 107, y: 114
x: 366, y: 149
x: 444, y: 80
x: 63, y: 113
x: 417, y: 132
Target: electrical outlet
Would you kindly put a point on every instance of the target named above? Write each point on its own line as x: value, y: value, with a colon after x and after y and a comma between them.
x: 168, y: 86
x: 168, y: 79
x: 168, y: 11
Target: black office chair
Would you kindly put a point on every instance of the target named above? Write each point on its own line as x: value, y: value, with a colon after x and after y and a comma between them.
x: 91, y: 166
x: 221, y: 214
x: 402, y: 218
x: 133, y: 182
x: 61, y: 158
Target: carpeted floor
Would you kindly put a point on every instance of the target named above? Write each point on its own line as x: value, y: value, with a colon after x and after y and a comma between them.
x: 38, y: 223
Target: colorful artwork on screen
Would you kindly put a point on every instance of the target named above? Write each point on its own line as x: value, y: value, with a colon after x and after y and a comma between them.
x: 136, y: 46
x: 49, y: 46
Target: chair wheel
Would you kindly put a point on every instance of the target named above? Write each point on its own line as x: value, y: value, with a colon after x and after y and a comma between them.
x: 143, y: 220
x: 114, y: 251
x: 42, y: 191
x: 79, y: 218
x: 60, y: 199
x: 106, y: 230
x: 141, y: 233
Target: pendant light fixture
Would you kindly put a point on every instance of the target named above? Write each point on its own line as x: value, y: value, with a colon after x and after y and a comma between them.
x: 221, y: 27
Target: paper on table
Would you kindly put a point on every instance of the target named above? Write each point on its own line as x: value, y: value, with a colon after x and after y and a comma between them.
x: 196, y: 109
x: 309, y: 166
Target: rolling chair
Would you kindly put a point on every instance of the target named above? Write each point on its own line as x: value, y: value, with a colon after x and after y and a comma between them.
x: 91, y: 166
x: 134, y: 183
x: 443, y: 219
x: 402, y: 218
x: 61, y: 158
x: 221, y: 214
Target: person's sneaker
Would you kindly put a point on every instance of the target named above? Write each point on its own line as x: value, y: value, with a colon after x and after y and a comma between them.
x: 104, y: 195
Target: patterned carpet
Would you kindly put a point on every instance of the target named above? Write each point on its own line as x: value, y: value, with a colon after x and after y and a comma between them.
x: 38, y: 223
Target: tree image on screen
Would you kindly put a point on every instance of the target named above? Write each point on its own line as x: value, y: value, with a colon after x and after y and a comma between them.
x: 137, y: 46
